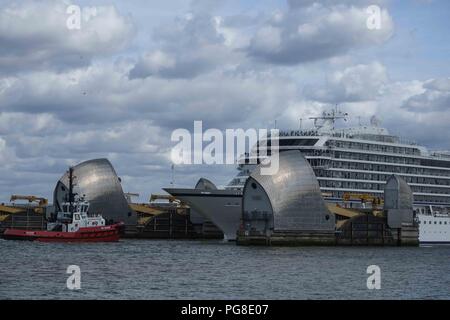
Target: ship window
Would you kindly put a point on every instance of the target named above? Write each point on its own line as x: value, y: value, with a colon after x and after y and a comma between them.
x: 297, y: 142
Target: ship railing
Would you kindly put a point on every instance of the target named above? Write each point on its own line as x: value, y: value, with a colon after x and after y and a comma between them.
x: 298, y: 133
x: 441, y: 155
x: 375, y: 137
x: 346, y: 135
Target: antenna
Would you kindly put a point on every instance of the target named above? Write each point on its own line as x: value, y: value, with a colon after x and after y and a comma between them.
x: 329, y: 118
x: 301, y: 121
x: 374, y: 121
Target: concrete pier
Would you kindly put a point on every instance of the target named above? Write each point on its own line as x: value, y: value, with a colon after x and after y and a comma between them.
x: 364, y: 231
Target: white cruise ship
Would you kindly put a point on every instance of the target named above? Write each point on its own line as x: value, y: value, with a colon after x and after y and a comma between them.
x: 359, y: 160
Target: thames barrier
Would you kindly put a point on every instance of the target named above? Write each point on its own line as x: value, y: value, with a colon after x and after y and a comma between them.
x: 284, y: 209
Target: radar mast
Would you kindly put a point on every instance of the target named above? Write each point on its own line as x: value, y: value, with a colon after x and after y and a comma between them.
x: 327, y: 121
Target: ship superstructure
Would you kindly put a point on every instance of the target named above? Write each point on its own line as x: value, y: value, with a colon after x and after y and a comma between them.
x: 360, y: 160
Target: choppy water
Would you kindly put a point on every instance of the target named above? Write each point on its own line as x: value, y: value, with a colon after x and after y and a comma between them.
x: 135, y: 269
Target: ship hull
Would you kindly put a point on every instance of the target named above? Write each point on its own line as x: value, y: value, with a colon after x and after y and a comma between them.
x: 94, y: 234
x: 434, y: 229
x: 222, y: 207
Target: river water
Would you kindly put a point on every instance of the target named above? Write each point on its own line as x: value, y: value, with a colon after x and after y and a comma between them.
x: 165, y: 269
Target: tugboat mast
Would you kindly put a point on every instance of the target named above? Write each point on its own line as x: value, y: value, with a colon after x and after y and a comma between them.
x: 71, y: 194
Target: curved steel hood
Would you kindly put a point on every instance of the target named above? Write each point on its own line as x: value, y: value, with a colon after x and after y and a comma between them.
x: 99, y: 183
x: 289, y: 200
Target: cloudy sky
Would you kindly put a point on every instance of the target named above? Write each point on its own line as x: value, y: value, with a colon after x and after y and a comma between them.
x: 136, y: 70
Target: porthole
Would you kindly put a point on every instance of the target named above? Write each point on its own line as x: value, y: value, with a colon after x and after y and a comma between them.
x: 254, y: 185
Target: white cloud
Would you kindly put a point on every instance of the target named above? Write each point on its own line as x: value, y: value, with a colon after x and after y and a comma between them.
x: 34, y: 35
x: 267, y: 39
x: 442, y: 85
x: 316, y: 32
x: 355, y: 83
x: 434, y: 98
x: 188, y: 47
x: 154, y: 63
x: 45, y: 116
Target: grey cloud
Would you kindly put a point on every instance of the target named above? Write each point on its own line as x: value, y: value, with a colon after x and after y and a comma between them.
x: 138, y: 150
x: 104, y: 94
x: 315, y: 33
x: 355, y: 83
x: 429, y: 102
x: 45, y: 122
x: 34, y: 36
x: 442, y: 85
x: 435, y: 98
x: 191, y: 46
x: 187, y: 65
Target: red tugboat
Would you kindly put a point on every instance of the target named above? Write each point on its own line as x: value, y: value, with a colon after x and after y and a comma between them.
x: 72, y: 225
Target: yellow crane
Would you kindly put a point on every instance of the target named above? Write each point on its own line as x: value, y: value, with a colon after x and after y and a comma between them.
x: 42, y: 202
x: 171, y: 199
x: 7, y: 210
x: 180, y: 204
x: 364, y: 197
